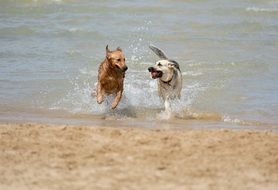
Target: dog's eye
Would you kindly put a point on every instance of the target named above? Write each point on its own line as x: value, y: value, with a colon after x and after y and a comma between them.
x: 159, y: 64
x: 118, y: 60
x: 124, y: 59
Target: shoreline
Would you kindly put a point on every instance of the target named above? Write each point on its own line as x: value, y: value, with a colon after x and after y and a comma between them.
x: 47, y: 156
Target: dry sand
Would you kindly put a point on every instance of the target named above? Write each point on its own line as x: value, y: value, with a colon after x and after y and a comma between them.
x: 38, y: 156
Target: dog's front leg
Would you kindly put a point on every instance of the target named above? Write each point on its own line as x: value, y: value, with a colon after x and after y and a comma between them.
x: 167, y: 105
x: 100, y: 94
x: 117, y: 99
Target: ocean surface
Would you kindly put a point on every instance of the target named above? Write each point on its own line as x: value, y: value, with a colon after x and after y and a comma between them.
x: 50, y: 51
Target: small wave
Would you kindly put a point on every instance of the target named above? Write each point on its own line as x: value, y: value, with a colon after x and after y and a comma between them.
x: 210, y: 64
x: 256, y: 9
x: 73, y: 52
x: 73, y: 30
x: 188, y: 114
x: 17, y: 31
x: 228, y: 119
x: 53, y: 1
x: 76, y: 30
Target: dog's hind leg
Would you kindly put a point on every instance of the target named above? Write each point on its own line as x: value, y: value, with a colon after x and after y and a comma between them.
x: 117, y: 99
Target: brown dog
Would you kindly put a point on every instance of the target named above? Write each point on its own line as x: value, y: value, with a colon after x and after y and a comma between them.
x: 111, y: 74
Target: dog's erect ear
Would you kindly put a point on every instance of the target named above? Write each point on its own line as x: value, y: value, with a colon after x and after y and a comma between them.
x: 119, y: 49
x: 173, y: 64
x: 107, y: 52
x: 158, y: 52
x: 107, y: 49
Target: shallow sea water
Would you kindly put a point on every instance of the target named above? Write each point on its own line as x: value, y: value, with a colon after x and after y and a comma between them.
x: 50, y: 51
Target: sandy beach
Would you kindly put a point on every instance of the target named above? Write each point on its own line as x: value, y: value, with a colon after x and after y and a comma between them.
x: 40, y: 156
x: 221, y: 133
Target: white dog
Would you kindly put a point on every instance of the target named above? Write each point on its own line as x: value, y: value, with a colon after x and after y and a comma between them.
x: 169, y: 77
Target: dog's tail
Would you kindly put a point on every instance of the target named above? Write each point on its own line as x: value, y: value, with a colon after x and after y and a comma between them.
x: 158, y: 52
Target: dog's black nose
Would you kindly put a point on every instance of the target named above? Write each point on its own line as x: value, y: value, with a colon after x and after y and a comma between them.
x: 150, y: 69
x: 125, y: 68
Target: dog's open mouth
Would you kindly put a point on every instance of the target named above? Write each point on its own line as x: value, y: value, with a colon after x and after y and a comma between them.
x: 155, y: 73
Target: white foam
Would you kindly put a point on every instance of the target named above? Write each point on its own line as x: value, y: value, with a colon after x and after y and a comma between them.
x: 228, y: 119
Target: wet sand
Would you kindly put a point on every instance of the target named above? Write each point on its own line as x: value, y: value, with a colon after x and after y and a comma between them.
x: 39, y: 156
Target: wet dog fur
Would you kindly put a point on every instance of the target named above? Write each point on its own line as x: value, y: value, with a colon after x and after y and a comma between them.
x: 111, y: 74
x: 169, y: 77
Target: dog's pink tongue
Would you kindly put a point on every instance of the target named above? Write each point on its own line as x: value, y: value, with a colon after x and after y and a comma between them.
x: 154, y: 74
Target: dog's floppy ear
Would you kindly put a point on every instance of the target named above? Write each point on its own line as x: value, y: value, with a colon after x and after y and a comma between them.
x: 158, y: 52
x: 119, y: 49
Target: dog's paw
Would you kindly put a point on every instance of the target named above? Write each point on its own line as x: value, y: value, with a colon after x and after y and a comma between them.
x: 100, y: 99
x: 114, y: 105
